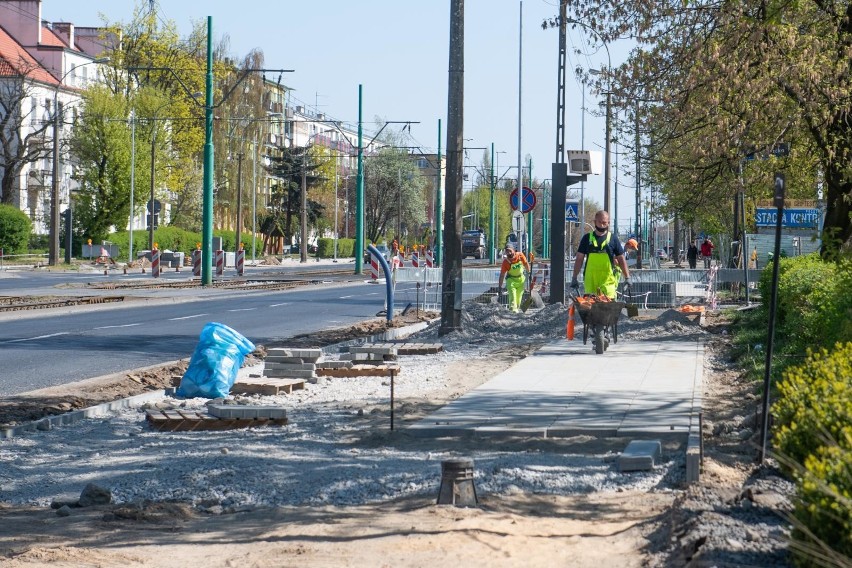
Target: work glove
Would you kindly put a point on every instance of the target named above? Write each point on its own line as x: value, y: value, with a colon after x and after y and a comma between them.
x: 575, y: 284
x: 628, y: 290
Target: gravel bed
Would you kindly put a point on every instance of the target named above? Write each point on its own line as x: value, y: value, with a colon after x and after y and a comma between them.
x: 325, y: 454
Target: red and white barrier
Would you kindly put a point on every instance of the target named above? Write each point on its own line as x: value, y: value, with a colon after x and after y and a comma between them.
x: 241, y: 261
x: 374, y: 267
x: 220, y: 262
x: 155, y: 263
x: 415, y: 259
x: 196, y: 263
x: 430, y: 260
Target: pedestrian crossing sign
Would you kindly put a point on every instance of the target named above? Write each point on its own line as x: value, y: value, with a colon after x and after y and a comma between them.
x: 572, y: 211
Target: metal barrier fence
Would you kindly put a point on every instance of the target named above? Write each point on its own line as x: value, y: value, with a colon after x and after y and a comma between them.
x: 652, y: 288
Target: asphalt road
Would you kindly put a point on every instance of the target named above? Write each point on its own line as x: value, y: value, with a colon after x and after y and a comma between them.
x: 46, y: 348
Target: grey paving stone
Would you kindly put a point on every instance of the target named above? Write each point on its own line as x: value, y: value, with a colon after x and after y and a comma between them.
x: 289, y: 366
x: 640, y: 455
x: 245, y: 411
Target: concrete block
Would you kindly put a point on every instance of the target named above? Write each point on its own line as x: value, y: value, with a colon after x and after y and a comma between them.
x: 267, y: 366
x: 285, y: 374
x: 334, y: 365
x: 282, y: 359
x: 237, y: 411
x: 373, y: 350
x: 693, y: 456
x: 640, y: 455
x: 301, y: 353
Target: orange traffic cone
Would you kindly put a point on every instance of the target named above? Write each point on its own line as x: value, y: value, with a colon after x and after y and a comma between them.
x: 569, y: 330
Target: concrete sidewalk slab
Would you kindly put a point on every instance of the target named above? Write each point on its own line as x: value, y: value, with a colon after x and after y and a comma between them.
x: 650, y: 387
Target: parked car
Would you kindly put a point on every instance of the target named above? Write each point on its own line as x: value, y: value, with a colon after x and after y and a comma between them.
x: 383, y: 249
x: 661, y: 254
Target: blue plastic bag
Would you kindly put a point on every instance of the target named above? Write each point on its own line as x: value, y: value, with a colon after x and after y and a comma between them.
x: 215, y: 362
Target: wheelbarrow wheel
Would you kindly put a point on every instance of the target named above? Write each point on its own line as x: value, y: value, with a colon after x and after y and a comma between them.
x: 585, y: 334
x: 600, y: 344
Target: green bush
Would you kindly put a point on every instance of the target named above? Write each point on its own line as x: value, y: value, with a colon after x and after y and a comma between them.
x: 823, y: 512
x: 814, y: 402
x: 814, y: 306
x: 813, y: 436
x: 15, y: 229
x: 325, y: 248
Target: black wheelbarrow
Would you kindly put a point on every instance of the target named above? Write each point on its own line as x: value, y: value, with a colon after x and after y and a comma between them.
x: 600, y: 320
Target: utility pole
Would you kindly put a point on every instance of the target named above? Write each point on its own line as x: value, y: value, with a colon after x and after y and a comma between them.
x: 451, y: 304
x: 359, y: 191
x: 492, y: 237
x: 153, y: 211
x: 606, y: 151
x: 239, y: 229
x: 303, y: 249
x: 638, y: 195
x: 439, y: 207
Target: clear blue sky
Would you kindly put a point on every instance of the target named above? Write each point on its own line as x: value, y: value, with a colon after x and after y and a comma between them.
x: 399, y: 51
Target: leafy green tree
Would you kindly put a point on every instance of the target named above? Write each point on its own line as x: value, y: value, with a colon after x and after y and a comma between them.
x: 101, y: 145
x: 15, y: 229
x: 394, y: 195
x: 712, y: 82
x: 284, y: 209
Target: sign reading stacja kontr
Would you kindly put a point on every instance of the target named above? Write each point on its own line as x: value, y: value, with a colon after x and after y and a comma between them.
x: 794, y: 218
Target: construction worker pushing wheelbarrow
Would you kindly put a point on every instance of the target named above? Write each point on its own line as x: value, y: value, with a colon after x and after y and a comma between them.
x: 513, y: 271
x: 603, y: 256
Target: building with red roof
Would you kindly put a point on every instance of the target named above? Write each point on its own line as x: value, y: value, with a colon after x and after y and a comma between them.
x: 42, y: 65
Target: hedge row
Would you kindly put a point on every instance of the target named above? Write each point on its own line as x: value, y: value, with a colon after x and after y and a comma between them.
x: 813, y: 409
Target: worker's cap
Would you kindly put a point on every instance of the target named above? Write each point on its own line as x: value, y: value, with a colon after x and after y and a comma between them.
x: 510, y: 248
x: 632, y: 244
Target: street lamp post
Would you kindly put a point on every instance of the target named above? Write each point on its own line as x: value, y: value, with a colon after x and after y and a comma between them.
x: 608, y: 127
x: 53, y: 252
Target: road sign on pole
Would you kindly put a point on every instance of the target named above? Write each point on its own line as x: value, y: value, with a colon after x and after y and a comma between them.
x: 529, y: 200
x: 518, y: 222
x: 572, y: 211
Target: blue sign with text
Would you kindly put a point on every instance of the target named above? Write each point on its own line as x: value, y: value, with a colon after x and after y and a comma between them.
x: 793, y: 218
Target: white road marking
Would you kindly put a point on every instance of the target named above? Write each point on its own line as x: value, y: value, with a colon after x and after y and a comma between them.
x: 124, y: 325
x: 37, y: 337
x: 242, y: 310
x: 347, y: 297
x: 187, y: 317
x: 277, y: 305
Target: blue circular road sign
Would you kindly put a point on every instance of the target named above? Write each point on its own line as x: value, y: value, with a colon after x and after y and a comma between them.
x: 529, y: 200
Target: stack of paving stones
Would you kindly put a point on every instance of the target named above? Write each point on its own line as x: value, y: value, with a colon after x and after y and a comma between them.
x: 217, y: 417
x: 284, y: 371
x: 364, y: 361
x: 412, y: 348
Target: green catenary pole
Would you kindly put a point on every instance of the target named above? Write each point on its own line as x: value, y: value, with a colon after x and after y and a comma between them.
x: 530, y: 216
x: 207, y: 207
x: 359, y: 192
x: 439, y: 206
x: 492, y: 230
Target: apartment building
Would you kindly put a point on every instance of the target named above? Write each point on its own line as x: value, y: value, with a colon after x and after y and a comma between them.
x: 43, y: 66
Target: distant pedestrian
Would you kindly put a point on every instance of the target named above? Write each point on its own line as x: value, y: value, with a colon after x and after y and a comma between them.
x: 707, y: 251
x: 692, y: 255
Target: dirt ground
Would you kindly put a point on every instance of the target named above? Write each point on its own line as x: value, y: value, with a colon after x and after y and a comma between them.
x: 621, y: 529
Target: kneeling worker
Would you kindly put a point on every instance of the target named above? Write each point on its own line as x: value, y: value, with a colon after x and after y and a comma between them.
x: 513, y: 268
x: 601, y: 250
